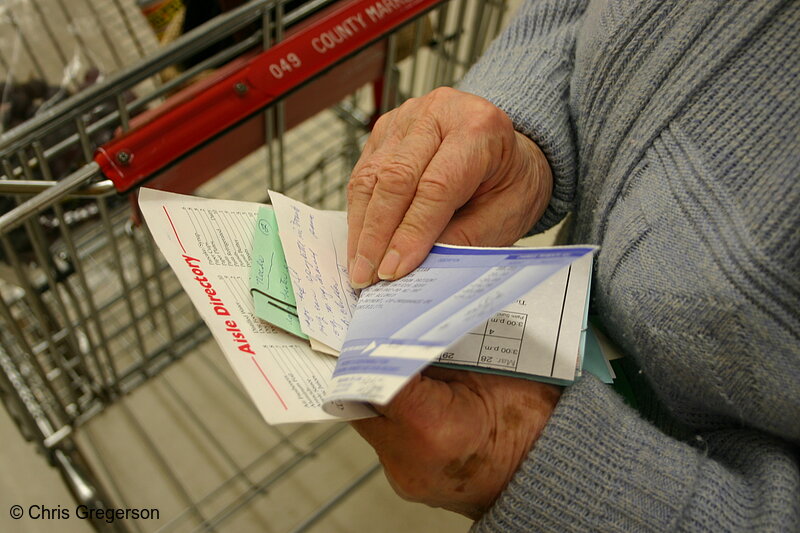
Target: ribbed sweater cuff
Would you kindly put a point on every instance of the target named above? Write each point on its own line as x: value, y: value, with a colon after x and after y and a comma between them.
x: 597, y: 466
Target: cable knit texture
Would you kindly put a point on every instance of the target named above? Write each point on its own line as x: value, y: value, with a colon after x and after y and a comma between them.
x: 673, y: 131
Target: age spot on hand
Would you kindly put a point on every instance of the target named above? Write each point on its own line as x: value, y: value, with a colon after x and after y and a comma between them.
x: 464, y: 470
x: 513, y: 417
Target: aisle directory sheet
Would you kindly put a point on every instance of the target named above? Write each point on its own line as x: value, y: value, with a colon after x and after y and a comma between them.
x: 387, y: 333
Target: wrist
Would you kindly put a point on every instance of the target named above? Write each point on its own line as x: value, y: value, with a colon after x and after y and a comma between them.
x: 533, y: 164
x: 520, y: 415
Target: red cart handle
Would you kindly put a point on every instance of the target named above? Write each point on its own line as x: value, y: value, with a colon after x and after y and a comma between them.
x: 135, y: 156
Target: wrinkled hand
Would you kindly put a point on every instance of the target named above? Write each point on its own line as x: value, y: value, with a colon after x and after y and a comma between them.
x: 454, y: 439
x: 448, y: 167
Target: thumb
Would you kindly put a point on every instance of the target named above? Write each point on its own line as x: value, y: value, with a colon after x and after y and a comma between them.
x: 412, y: 405
x: 408, y: 391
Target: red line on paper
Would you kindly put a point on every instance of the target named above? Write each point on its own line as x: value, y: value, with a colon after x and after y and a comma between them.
x: 271, y: 386
x: 173, y: 228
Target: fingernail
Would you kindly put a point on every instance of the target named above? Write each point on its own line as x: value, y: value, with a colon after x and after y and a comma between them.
x: 361, y: 275
x: 389, y: 265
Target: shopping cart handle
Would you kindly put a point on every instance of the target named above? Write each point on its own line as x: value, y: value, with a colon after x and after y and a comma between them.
x: 139, y: 154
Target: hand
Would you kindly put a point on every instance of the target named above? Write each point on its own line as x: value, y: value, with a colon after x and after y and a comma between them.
x: 449, y: 167
x: 454, y: 439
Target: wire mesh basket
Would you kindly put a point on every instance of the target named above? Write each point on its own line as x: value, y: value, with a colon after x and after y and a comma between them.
x: 106, y: 367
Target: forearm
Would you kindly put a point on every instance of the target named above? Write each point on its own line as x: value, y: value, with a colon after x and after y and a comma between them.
x: 526, y: 73
x: 598, y: 465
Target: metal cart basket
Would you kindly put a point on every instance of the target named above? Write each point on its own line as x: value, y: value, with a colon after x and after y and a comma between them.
x: 106, y: 367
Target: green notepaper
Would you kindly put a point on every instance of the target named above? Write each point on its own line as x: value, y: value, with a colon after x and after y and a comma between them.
x: 270, y: 284
x: 593, y: 359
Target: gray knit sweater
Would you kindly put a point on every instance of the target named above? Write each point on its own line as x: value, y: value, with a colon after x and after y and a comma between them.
x: 673, y: 130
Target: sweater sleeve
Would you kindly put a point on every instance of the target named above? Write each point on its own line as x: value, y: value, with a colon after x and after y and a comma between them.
x: 598, y: 466
x: 526, y: 73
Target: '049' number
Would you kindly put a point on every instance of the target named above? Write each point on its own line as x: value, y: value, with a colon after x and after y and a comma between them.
x: 285, y: 65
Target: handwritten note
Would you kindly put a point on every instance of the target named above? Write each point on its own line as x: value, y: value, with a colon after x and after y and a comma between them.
x: 315, y: 244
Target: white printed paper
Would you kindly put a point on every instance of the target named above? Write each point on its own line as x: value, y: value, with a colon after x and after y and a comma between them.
x: 394, y: 330
x: 207, y: 243
x: 539, y: 334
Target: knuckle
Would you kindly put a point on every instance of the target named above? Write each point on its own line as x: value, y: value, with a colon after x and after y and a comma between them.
x: 410, y: 230
x: 429, y: 128
x: 399, y: 114
x: 398, y: 175
x: 360, y: 186
x: 382, y: 122
x: 486, y: 114
x: 434, y: 190
x: 362, y: 180
x: 408, y: 105
x: 443, y: 93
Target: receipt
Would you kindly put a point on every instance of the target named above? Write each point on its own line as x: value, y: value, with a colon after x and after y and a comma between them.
x: 454, y: 290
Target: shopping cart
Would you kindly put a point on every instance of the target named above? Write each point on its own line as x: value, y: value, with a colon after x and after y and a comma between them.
x: 106, y: 367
